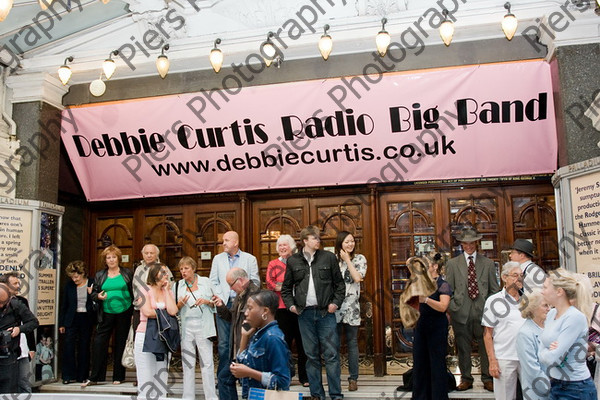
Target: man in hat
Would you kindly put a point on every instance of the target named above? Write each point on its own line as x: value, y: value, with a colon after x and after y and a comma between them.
x: 473, y: 279
x: 533, y: 276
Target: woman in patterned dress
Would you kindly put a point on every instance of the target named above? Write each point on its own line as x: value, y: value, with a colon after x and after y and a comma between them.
x: 353, y: 268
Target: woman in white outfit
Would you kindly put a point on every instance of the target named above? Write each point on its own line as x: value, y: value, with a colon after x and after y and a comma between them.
x: 194, y: 295
x: 151, y: 368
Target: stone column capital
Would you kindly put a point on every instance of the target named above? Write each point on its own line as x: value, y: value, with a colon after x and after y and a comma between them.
x: 39, y: 86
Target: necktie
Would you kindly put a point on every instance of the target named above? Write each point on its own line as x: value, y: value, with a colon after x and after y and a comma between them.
x: 472, y: 280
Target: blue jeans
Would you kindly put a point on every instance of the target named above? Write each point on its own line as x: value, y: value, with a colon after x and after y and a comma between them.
x: 579, y: 390
x: 223, y: 333
x: 226, y: 382
x: 319, y: 330
x: 352, y: 345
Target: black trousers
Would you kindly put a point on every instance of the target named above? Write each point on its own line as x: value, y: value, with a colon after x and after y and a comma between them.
x: 9, y: 374
x: 430, y: 380
x: 119, y: 325
x: 76, y: 356
x: 288, y: 323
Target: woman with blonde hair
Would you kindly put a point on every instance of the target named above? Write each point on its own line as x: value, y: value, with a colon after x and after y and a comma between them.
x: 534, y: 381
x: 564, y: 338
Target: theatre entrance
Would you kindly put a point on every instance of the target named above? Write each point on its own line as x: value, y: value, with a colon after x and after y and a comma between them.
x: 390, y: 225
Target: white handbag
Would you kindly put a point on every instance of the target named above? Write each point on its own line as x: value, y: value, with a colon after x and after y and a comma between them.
x: 128, y: 360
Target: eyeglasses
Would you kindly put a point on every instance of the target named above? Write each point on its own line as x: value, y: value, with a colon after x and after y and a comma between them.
x: 233, y: 283
x: 515, y: 275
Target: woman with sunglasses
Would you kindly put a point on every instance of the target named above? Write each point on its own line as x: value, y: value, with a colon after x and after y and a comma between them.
x: 193, y: 294
x: 353, y: 268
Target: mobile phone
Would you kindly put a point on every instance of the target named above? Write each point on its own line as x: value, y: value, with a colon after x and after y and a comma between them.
x: 246, y: 326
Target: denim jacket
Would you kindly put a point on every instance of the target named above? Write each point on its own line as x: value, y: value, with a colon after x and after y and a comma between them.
x: 268, y: 353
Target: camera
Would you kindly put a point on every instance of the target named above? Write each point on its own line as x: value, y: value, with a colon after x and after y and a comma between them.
x: 5, y: 341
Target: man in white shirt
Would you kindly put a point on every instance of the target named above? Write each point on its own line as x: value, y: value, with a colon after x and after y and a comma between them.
x: 533, y: 276
x: 231, y: 257
x: 502, y: 320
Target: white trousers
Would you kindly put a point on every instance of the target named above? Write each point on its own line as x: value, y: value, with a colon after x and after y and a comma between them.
x: 152, y: 375
x: 505, y: 388
x: 192, y: 340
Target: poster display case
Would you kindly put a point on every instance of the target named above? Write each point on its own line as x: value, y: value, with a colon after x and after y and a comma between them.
x: 30, y: 235
x: 577, y: 189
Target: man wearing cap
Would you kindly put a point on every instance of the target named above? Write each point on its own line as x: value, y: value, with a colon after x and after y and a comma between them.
x: 473, y: 279
x: 533, y: 276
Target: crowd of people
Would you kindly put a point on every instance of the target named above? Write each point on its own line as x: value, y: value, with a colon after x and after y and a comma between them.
x: 533, y: 331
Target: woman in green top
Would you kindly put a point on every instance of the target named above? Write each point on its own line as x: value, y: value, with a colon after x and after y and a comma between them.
x: 113, y: 295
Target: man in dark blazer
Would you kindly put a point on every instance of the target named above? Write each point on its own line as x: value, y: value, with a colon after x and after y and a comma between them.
x: 466, y: 304
x: 314, y: 289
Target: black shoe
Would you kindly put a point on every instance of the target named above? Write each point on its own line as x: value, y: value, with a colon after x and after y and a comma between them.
x: 66, y: 381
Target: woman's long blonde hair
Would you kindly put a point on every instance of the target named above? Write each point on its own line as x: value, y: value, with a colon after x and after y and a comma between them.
x: 577, y: 288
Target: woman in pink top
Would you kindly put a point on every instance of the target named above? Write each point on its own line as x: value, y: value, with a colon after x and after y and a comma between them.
x: 287, y: 320
x: 152, y: 373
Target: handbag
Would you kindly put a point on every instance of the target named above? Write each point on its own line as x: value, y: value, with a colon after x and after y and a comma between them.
x: 128, y: 359
x: 267, y: 394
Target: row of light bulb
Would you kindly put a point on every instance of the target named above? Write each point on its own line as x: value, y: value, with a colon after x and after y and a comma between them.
x: 269, y: 51
x: 6, y: 6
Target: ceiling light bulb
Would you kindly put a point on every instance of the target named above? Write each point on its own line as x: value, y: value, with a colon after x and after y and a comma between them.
x: 325, y: 44
x: 268, y: 50
x: 509, y: 23
x: 216, y: 57
x: 5, y: 6
x: 162, y: 65
x: 162, y: 62
x: 383, y: 39
x: 105, y: 1
x: 446, y: 29
x: 97, y: 87
x: 64, y: 72
x: 109, y: 66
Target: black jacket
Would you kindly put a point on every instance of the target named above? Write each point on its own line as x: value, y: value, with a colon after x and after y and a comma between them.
x: 68, y: 304
x: 29, y: 336
x: 327, y: 278
x: 99, y: 280
x: 14, y: 314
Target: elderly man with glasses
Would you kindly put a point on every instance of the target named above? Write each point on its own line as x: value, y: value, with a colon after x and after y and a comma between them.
x: 238, y: 280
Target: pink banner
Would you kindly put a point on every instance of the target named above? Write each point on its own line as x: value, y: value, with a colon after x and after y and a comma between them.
x: 476, y: 121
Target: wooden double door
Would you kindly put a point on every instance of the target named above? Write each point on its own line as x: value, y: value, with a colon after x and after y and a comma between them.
x: 389, y: 227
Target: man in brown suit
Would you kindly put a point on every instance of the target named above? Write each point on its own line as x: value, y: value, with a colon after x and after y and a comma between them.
x: 473, y: 279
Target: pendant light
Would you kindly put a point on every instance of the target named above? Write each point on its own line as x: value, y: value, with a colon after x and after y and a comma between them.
x: 109, y: 66
x: 509, y: 23
x: 64, y: 72
x: 162, y: 62
x: 325, y: 43
x: 5, y: 6
x: 216, y: 57
x: 268, y: 50
x: 446, y: 29
x: 383, y: 39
